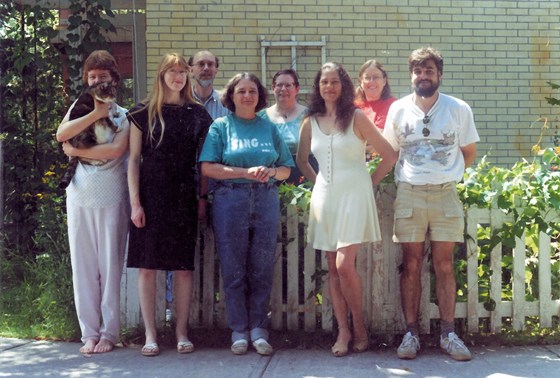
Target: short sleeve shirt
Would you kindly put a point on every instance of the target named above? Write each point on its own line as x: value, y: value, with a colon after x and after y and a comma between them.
x: 213, y: 105
x: 436, y: 158
x: 377, y: 110
x: 237, y: 142
x: 289, y: 130
x: 98, y: 186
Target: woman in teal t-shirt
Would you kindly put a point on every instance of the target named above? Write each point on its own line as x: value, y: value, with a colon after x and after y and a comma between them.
x: 246, y: 154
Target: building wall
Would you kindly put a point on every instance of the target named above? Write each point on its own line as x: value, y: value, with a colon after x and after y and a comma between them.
x: 498, y: 55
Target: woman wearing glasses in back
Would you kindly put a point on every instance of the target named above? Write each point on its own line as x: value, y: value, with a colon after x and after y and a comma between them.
x: 287, y: 114
x: 373, y: 94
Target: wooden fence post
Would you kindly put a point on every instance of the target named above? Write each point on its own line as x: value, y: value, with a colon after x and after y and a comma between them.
x: 378, y: 266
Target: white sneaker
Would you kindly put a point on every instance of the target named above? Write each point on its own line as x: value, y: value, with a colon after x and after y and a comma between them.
x: 409, y: 346
x: 239, y: 347
x: 455, y: 347
x: 262, y: 347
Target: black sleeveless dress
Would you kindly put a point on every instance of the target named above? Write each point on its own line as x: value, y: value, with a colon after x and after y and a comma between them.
x: 168, y: 181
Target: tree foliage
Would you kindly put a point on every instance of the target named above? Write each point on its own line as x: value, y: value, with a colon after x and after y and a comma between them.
x: 87, y: 27
x: 32, y: 105
x: 35, y: 267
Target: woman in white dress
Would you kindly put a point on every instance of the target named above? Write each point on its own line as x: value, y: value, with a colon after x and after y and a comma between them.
x: 342, y: 213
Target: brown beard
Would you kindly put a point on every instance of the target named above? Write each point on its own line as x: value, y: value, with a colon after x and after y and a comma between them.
x: 426, y: 92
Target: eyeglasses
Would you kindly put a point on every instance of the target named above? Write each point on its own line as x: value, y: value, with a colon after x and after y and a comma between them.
x: 177, y: 72
x: 202, y: 64
x: 288, y: 86
x: 372, y: 78
x: 425, y: 130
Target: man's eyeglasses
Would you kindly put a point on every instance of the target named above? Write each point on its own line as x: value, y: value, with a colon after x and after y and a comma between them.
x: 203, y: 64
x: 425, y: 130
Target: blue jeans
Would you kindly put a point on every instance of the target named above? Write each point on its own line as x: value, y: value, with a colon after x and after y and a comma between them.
x: 245, y: 220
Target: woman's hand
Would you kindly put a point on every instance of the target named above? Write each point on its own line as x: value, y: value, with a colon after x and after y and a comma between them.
x: 138, y: 217
x: 102, y: 109
x: 68, y: 149
x: 261, y: 173
x: 366, y: 130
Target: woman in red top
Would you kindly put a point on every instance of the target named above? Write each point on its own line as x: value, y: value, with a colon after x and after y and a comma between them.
x: 373, y: 94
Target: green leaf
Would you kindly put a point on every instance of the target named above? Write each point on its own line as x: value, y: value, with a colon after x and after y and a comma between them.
x: 106, y: 4
x: 552, y: 100
x: 105, y: 24
x: 504, y: 203
x: 490, y: 304
x: 73, y: 37
x: 74, y: 21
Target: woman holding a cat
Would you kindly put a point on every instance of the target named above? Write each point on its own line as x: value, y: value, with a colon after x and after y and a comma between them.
x: 97, y: 209
x: 168, y: 129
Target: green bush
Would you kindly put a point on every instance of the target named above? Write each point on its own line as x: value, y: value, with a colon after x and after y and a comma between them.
x: 37, y: 298
x: 529, y: 192
x: 36, y: 289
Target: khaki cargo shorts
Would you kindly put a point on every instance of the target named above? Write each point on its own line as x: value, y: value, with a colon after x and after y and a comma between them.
x: 433, y: 210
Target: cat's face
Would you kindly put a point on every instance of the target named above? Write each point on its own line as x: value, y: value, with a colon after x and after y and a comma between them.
x: 103, y: 92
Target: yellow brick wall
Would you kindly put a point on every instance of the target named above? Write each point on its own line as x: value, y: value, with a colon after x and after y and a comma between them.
x: 498, y: 55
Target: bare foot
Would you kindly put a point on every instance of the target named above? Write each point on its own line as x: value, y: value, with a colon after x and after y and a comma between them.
x: 89, y: 347
x: 361, y: 340
x: 362, y: 334
x: 344, y: 335
x: 340, y: 348
x: 103, y: 346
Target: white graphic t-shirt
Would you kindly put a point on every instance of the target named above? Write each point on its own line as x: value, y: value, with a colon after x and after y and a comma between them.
x: 429, y: 144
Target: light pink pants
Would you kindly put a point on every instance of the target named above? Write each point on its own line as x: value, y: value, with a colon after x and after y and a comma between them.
x: 97, y: 238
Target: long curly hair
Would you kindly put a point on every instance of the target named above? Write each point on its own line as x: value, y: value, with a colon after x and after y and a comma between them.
x: 345, y: 106
x: 385, y: 93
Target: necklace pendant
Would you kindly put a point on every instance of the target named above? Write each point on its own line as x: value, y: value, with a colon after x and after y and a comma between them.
x: 425, y: 132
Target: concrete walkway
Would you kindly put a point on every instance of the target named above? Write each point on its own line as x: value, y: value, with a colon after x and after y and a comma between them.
x: 29, y: 358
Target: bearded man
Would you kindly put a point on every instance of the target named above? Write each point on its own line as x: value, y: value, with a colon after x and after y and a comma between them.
x: 204, y: 68
x: 436, y: 137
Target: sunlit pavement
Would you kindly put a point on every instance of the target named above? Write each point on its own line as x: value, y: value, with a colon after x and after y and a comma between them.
x: 29, y: 358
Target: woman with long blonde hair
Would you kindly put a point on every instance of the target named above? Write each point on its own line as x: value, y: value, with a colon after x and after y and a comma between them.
x: 166, y: 197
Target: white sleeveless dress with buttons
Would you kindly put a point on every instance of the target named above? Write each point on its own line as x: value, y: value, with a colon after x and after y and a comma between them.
x: 342, y: 210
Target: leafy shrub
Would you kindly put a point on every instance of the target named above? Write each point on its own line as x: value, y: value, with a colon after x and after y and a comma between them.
x: 529, y: 192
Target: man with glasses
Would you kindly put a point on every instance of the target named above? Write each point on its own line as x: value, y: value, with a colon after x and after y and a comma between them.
x: 204, y: 68
x: 436, y: 138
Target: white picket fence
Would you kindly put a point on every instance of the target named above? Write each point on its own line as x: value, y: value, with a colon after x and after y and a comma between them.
x: 300, y: 301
